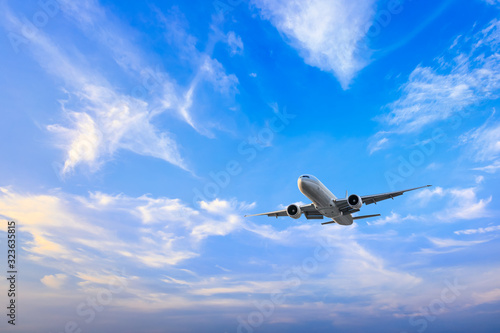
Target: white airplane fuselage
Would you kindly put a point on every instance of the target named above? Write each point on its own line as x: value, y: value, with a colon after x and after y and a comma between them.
x: 322, y: 198
x: 325, y: 204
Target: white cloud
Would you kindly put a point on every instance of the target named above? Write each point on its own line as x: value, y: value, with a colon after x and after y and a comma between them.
x: 447, y: 245
x: 219, y: 207
x: 55, y: 281
x: 235, y: 43
x: 455, y: 203
x: 214, y: 73
x: 393, y: 218
x: 463, y: 204
x: 429, y: 97
x: 442, y: 242
x: 106, y: 122
x: 82, y: 143
x: 424, y: 196
x: 492, y: 168
x: 478, y: 230
x: 377, y: 145
x: 328, y: 34
x: 217, y: 226
x: 157, y: 210
x: 466, y: 205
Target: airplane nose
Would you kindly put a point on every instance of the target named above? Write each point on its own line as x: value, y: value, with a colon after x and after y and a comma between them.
x: 300, y: 184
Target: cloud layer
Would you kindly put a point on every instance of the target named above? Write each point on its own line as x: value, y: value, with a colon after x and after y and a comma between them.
x: 149, y: 244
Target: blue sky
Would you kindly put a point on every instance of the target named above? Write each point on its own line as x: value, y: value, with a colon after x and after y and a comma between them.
x: 136, y: 136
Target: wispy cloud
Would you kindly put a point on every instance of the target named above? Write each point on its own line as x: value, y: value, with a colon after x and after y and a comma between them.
x: 393, y: 218
x: 492, y: 228
x: 483, y: 144
x: 100, y: 120
x: 446, y: 242
x: 492, y: 168
x: 167, y: 95
x: 377, y: 145
x: 424, y: 196
x: 458, y: 203
x: 206, y: 68
x: 235, y: 43
x: 447, y: 245
x: 327, y: 34
x: 489, y: 296
x: 101, y: 117
x: 454, y: 204
x: 467, y: 74
x: 103, y: 122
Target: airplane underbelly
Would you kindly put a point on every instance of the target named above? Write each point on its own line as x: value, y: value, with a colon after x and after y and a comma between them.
x: 321, y: 197
x: 322, y: 201
x: 344, y: 219
x: 318, y: 197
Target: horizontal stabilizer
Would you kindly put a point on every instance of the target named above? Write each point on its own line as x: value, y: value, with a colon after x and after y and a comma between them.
x: 364, y: 216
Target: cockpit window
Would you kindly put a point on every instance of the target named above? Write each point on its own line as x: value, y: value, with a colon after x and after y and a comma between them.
x: 305, y: 176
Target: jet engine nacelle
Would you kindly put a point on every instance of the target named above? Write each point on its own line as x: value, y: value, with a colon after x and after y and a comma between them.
x: 355, y: 201
x: 294, y: 211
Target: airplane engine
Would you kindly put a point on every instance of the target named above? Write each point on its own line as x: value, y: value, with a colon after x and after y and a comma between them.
x: 294, y: 211
x: 355, y: 201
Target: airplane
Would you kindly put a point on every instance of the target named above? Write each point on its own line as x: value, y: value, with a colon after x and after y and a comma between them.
x: 325, y: 204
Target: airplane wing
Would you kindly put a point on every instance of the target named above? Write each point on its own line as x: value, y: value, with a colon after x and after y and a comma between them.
x: 309, y: 211
x: 344, y: 207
